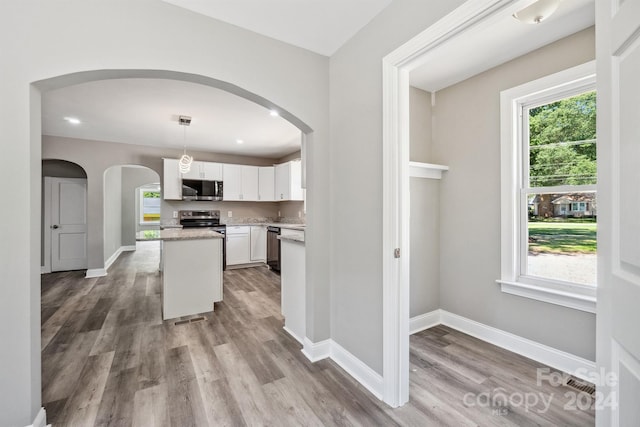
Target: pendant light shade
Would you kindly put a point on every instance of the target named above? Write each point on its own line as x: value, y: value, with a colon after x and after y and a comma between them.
x: 537, y: 12
x: 185, y: 161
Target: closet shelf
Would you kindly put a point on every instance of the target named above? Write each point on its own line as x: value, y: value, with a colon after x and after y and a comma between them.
x: 426, y: 170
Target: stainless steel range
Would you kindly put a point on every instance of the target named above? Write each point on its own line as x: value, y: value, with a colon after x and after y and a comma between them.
x: 209, y: 219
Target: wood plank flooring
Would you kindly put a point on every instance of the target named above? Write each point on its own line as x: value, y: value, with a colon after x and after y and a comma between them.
x: 108, y: 359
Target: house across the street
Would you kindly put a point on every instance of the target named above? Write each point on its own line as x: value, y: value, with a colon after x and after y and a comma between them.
x: 578, y: 205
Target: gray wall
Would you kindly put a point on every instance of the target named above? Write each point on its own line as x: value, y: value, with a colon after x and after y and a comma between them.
x: 356, y: 173
x: 112, y: 239
x: 34, y: 40
x: 467, y: 139
x: 425, y: 212
x: 133, y: 178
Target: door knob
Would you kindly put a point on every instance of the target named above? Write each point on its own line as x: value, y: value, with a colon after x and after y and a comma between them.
x: 55, y: 226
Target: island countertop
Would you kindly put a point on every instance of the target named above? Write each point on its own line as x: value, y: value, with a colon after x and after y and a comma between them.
x: 178, y: 234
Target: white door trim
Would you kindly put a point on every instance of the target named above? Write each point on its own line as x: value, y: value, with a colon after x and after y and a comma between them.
x: 46, y: 226
x: 395, y: 141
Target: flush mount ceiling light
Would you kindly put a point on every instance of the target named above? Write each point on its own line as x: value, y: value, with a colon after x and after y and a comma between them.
x: 185, y: 161
x: 537, y: 12
x: 239, y: 141
x: 73, y: 120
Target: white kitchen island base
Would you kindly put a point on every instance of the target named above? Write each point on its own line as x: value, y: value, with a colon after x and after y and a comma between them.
x: 292, y: 277
x: 191, y: 276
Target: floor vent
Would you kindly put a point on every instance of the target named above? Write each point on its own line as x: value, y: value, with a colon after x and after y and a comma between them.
x: 581, y: 386
x: 195, y: 319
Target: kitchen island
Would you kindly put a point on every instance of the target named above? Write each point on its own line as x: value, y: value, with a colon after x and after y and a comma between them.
x: 293, y: 282
x: 191, y: 269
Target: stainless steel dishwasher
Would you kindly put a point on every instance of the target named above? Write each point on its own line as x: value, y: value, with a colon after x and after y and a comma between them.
x: 273, y: 248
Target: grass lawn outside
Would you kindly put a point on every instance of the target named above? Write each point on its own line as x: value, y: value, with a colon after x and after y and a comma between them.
x: 568, y: 238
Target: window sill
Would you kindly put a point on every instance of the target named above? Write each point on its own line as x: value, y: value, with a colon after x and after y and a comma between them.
x: 582, y: 301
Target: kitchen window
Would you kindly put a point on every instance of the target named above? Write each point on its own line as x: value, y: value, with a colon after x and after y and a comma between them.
x: 149, y: 205
x: 548, y: 189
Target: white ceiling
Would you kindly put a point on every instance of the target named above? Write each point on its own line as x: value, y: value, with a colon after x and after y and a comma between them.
x: 321, y: 26
x: 145, y: 112
x: 496, y: 41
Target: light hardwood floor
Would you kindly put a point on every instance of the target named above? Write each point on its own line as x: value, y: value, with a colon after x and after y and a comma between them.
x: 109, y: 359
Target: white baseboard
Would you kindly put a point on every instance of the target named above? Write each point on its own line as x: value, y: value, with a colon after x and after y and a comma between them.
x: 550, y: 356
x: 40, y: 420
x: 116, y: 254
x: 316, y: 351
x: 424, y: 321
x: 366, y: 376
x: 95, y: 272
x: 290, y: 332
x: 362, y: 373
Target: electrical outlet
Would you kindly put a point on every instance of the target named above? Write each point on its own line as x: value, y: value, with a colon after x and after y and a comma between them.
x: 229, y: 214
x: 175, y: 214
x: 278, y: 214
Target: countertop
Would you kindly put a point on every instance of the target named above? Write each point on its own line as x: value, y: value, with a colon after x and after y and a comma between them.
x: 178, y: 234
x: 301, y: 227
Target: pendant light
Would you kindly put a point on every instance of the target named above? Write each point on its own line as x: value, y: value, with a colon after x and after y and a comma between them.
x: 537, y: 12
x: 185, y: 161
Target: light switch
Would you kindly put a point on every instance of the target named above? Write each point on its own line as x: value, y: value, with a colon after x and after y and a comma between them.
x: 175, y: 214
x: 229, y: 214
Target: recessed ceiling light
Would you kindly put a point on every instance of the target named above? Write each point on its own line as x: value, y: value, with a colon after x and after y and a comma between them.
x: 73, y: 120
x: 274, y: 113
x: 239, y: 141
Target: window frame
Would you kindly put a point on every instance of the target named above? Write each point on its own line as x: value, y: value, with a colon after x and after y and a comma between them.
x: 514, y: 199
x: 141, y: 191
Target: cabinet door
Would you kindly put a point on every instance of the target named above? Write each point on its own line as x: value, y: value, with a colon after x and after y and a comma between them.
x: 211, y: 171
x: 249, y: 183
x: 258, y: 243
x: 238, y: 249
x: 232, y: 182
x: 266, y: 184
x: 194, y: 172
x: 283, y: 181
x: 172, y: 182
x: 296, y: 180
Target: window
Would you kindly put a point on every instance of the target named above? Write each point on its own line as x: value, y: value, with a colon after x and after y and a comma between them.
x: 149, y: 205
x: 548, y: 195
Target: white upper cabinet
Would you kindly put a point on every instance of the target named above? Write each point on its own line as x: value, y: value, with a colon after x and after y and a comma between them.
x: 249, y: 176
x: 288, y: 181
x: 232, y: 182
x: 211, y: 171
x: 172, y: 182
x: 266, y: 184
x: 204, y: 170
x: 240, y: 182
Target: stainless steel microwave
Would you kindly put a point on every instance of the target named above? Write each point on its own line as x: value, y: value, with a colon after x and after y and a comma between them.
x: 198, y: 189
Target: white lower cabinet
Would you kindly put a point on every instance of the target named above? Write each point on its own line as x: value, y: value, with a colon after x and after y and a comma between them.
x: 258, y: 243
x: 238, y: 244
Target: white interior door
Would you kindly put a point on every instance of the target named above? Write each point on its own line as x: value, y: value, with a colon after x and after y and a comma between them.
x: 68, y: 223
x: 618, y: 314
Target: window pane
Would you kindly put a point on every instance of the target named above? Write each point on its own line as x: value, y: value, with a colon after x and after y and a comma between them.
x: 562, y: 142
x: 150, y: 206
x: 561, y: 233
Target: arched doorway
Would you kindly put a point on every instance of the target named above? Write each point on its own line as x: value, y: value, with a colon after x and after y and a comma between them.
x: 124, y: 212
